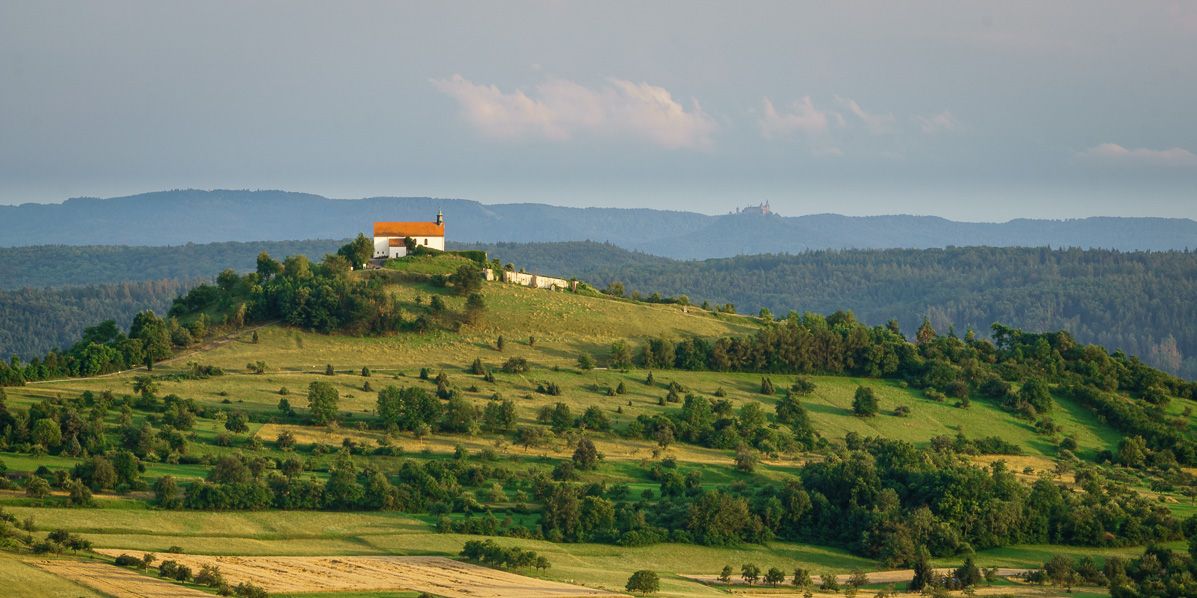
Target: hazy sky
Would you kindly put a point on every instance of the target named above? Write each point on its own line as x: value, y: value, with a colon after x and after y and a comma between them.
x: 974, y: 111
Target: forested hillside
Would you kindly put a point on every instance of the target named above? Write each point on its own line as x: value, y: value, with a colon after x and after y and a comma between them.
x: 59, y: 265
x: 34, y: 321
x: 1140, y: 302
x: 182, y: 216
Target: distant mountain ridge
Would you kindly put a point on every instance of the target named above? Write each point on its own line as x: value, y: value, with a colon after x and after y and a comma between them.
x: 197, y: 216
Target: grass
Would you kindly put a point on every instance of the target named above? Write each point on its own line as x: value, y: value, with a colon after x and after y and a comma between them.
x: 20, y: 580
x: 564, y: 325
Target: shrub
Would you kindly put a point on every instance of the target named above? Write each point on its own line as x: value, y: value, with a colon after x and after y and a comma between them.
x: 515, y: 365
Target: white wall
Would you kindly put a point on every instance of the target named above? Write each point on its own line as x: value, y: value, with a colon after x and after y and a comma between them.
x: 382, y: 245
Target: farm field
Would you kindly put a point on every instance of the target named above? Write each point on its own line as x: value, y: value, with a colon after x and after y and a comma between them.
x: 434, y: 575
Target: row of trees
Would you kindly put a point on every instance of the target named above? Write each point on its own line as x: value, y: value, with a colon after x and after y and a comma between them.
x: 947, y: 366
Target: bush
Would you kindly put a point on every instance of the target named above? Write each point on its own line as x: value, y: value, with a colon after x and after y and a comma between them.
x: 515, y: 365
x: 644, y: 581
x: 127, y: 560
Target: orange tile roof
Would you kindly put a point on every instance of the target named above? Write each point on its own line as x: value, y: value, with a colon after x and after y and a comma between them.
x: 408, y: 229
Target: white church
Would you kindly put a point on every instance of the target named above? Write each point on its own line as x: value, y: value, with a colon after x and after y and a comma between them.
x: 390, y: 238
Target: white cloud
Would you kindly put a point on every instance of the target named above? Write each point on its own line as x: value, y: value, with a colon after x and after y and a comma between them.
x: 878, y: 124
x: 559, y: 109
x: 801, y: 117
x: 937, y: 123
x: 1114, y: 154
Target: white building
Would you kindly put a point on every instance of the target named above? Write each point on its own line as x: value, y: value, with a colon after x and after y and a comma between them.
x: 390, y: 238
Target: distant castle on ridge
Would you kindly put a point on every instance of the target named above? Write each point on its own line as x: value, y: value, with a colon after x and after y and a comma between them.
x: 762, y: 209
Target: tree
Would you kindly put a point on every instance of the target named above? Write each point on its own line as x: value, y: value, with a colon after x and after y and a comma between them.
x: 620, y: 356
x: 725, y: 574
x: 322, y: 402
x: 358, y: 251
x: 467, y: 279
x: 237, y: 422
x: 145, y: 385
x: 1036, y: 393
x: 475, y: 306
x: 864, y: 402
x: 529, y: 436
x: 154, y: 336
x: 499, y: 416
x: 585, y: 361
x: 167, y: 493
x: 968, y: 574
x: 745, y: 459
x: 342, y: 490
x: 37, y: 487
x: 644, y: 581
x: 78, y: 494
x: 774, y: 576
x: 586, y: 456
x: 924, y: 573
x: 268, y: 267
x: 858, y: 579
x: 46, y: 433
x: 767, y: 386
x: 801, y: 578
x: 750, y: 573
x: 925, y: 333
x: 828, y: 582
x: 1132, y: 451
x: 1059, y: 570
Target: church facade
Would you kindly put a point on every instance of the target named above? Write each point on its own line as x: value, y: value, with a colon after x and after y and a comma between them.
x: 391, y: 238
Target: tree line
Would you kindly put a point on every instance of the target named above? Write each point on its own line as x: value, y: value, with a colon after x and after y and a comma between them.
x: 1137, y: 302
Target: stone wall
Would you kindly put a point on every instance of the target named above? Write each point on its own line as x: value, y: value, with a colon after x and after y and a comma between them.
x: 534, y: 280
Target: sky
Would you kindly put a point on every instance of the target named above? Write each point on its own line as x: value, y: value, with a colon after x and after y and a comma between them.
x: 967, y: 110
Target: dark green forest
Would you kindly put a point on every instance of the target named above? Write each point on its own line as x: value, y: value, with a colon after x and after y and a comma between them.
x: 50, y: 293
x: 34, y: 321
x: 1139, y: 302
x: 62, y: 265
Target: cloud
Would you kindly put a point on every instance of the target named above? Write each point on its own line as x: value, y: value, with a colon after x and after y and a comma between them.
x: 1114, y: 154
x: 878, y: 124
x: 802, y: 117
x: 559, y: 110
x: 937, y: 123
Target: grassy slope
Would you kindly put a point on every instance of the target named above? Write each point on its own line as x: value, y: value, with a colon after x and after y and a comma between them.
x: 564, y: 325
x: 20, y: 580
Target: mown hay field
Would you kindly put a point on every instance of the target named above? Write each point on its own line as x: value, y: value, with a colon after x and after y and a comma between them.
x: 435, y: 575
x: 117, y: 582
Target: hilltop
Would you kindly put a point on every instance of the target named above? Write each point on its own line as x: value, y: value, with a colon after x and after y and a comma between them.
x: 195, y: 216
x: 306, y: 410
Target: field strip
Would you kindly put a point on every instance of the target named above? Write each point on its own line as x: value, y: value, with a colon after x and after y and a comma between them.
x: 436, y: 575
x: 116, y: 581
x: 899, y: 576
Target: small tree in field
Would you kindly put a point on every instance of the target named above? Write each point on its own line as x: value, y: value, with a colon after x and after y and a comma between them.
x: 585, y: 361
x: 750, y: 573
x: 801, y: 578
x: 725, y: 574
x: 322, y: 402
x: 774, y: 576
x: 864, y: 403
x: 644, y: 581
